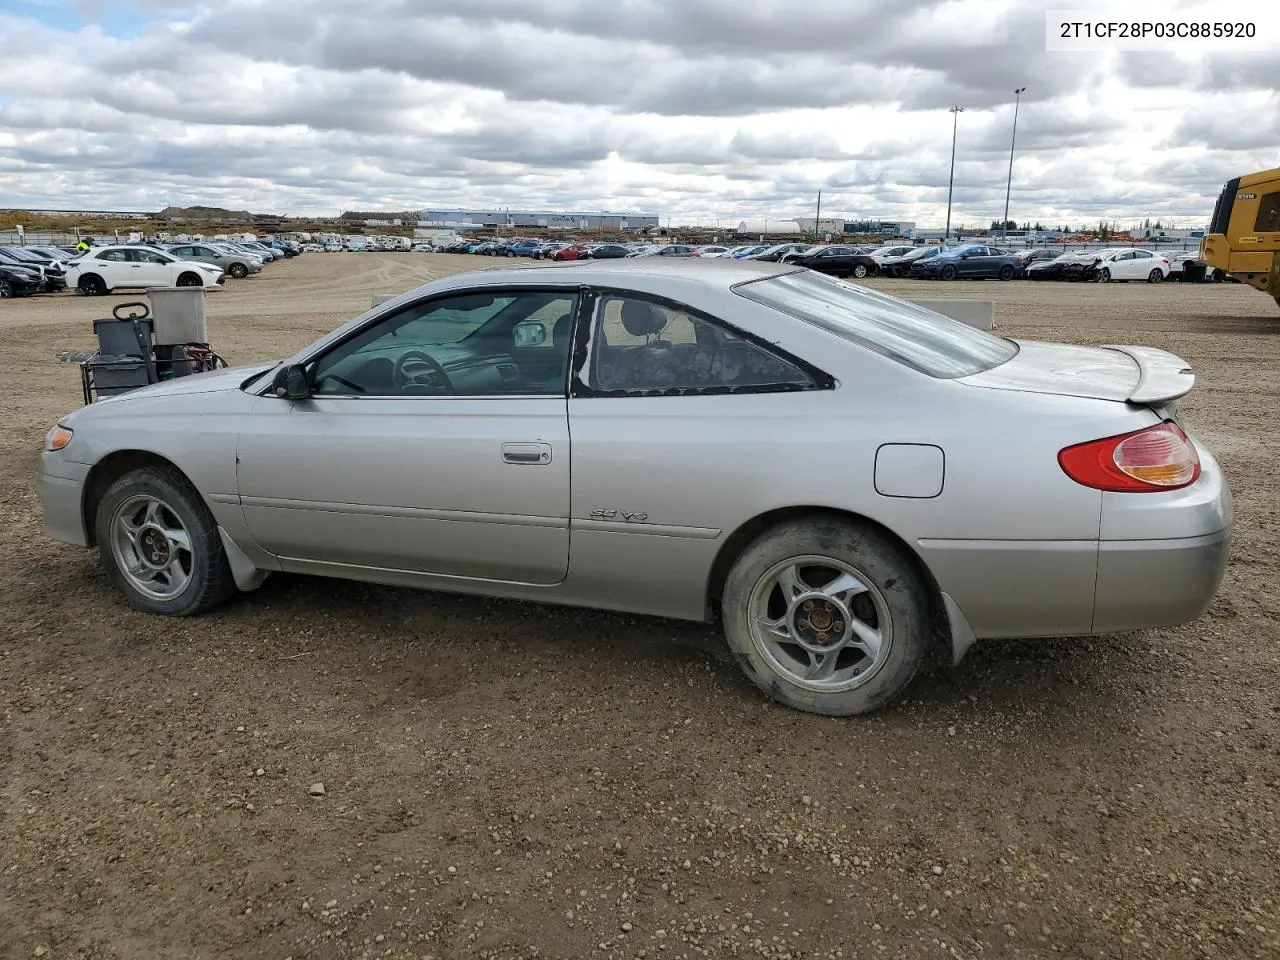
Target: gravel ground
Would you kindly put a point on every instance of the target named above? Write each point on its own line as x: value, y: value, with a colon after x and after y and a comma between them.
x: 506, y: 780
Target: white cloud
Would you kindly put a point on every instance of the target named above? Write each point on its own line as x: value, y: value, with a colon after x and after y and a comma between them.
x: 688, y: 108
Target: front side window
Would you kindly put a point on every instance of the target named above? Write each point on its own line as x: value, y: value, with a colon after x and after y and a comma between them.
x: 912, y: 335
x: 149, y: 256
x: 474, y: 344
x: 646, y: 347
x: 1268, y: 214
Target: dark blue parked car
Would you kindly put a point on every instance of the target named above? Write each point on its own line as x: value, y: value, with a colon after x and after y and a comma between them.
x: 969, y: 262
x: 525, y: 248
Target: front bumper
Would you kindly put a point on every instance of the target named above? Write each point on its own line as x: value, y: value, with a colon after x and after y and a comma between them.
x: 60, y: 487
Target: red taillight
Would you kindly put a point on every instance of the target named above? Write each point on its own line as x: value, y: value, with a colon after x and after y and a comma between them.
x: 1148, y: 460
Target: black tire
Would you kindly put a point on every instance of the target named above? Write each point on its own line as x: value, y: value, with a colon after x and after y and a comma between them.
x: 190, y: 279
x: 1155, y: 276
x: 1007, y: 272
x: 859, y: 270
x: 6, y: 290
x: 238, y: 270
x: 879, y: 561
x: 92, y: 285
x: 1104, y: 275
x: 211, y: 582
x: 948, y: 272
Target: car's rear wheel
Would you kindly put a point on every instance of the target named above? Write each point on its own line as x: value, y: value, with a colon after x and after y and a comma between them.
x: 1155, y: 276
x: 859, y: 270
x: 160, y: 545
x: 826, y: 616
x: 190, y: 280
x: 948, y: 272
x: 238, y: 270
x: 1007, y: 272
x: 1104, y: 275
x: 91, y: 285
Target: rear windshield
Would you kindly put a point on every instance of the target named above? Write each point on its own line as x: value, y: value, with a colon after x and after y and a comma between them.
x: 910, y: 334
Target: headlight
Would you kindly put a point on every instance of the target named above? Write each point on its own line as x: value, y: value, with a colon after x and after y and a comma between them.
x: 57, y: 438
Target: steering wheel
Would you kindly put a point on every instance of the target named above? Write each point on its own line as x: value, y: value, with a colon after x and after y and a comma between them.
x: 404, y: 374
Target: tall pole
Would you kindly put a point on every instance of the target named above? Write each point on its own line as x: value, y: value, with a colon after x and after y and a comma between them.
x: 1004, y: 224
x: 817, y: 217
x: 955, y: 120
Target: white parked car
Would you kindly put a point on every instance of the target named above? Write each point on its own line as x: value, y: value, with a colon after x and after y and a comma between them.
x: 104, y: 269
x: 1129, y: 263
x: 880, y: 254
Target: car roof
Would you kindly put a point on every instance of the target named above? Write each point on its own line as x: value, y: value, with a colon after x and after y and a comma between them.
x: 720, y: 272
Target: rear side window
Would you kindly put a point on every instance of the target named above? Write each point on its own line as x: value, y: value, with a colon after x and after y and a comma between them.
x: 912, y: 335
x: 1268, y: 214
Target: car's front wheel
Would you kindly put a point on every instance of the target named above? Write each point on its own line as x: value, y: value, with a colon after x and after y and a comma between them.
x: 1104, y: 275
x: 6, y: 290
x: 826, y: 616
x: 948, y: 272
x: 189, y: 279
x: 238, y: 270
x: 160, y: 545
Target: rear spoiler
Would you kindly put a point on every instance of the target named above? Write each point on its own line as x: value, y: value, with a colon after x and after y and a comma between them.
x: 1162, y: 376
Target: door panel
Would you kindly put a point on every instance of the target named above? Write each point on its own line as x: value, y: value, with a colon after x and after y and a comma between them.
x: 417, y: 484
x: 148, y: 270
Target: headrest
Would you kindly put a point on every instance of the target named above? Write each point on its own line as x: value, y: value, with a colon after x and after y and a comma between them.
x: 642, y: 319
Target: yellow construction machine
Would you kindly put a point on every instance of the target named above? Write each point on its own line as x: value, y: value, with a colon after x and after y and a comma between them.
x: 1244, y: 236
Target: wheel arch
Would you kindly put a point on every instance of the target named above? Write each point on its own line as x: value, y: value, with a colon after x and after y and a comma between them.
x: 106, y: 472
x: 945, y: 634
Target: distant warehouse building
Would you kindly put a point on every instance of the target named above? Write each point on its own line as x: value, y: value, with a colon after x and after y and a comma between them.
x: 542, y: 220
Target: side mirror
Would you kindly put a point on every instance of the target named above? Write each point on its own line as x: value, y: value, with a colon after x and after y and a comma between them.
x: 529, y: 333
x: 291, y: 383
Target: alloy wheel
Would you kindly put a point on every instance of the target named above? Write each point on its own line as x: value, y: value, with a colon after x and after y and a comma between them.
x: 152, y: 548
x: 820, y: 623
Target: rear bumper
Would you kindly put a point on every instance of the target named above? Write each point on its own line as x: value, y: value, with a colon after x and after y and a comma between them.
x: 1160, y: 564
x: 1157, y: 583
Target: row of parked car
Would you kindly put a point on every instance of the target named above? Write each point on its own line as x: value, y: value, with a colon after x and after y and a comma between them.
x: 971, y: 261
x: 112, y: 266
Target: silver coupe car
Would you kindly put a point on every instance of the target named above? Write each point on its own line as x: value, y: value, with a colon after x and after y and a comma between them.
x: 832, y: 472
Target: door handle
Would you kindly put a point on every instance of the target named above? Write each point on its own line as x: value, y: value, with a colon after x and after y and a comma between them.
x: 532, y: 453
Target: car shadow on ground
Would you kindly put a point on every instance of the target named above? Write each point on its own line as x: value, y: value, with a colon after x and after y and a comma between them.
x: 1059, y: 680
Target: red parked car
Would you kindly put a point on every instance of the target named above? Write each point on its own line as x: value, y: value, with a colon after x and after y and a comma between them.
x: 570, y: 252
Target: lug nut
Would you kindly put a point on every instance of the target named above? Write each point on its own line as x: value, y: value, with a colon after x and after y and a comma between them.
x: 837, y: 626
x: 807, y: 606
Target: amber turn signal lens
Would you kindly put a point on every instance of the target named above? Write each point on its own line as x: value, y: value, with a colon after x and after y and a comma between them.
x: 57, y: 438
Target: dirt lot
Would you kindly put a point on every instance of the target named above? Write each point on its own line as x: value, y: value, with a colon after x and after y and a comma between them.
x: 505, y: 780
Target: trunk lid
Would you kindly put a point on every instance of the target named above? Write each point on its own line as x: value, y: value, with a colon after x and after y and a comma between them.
x: 1125, y: 374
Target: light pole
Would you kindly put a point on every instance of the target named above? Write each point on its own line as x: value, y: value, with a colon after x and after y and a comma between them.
x: 955, y: 121
x: 1004, y: 224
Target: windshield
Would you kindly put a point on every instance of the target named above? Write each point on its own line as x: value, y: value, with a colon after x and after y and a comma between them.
x: 919, y: 338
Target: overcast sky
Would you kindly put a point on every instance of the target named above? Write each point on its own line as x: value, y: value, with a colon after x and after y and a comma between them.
x: 690, y: 109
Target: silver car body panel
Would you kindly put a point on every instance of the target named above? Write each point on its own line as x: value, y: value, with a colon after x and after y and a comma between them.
x: 641, y: 493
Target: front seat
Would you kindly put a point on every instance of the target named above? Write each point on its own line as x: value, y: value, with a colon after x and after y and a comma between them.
x: 561, y: 332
